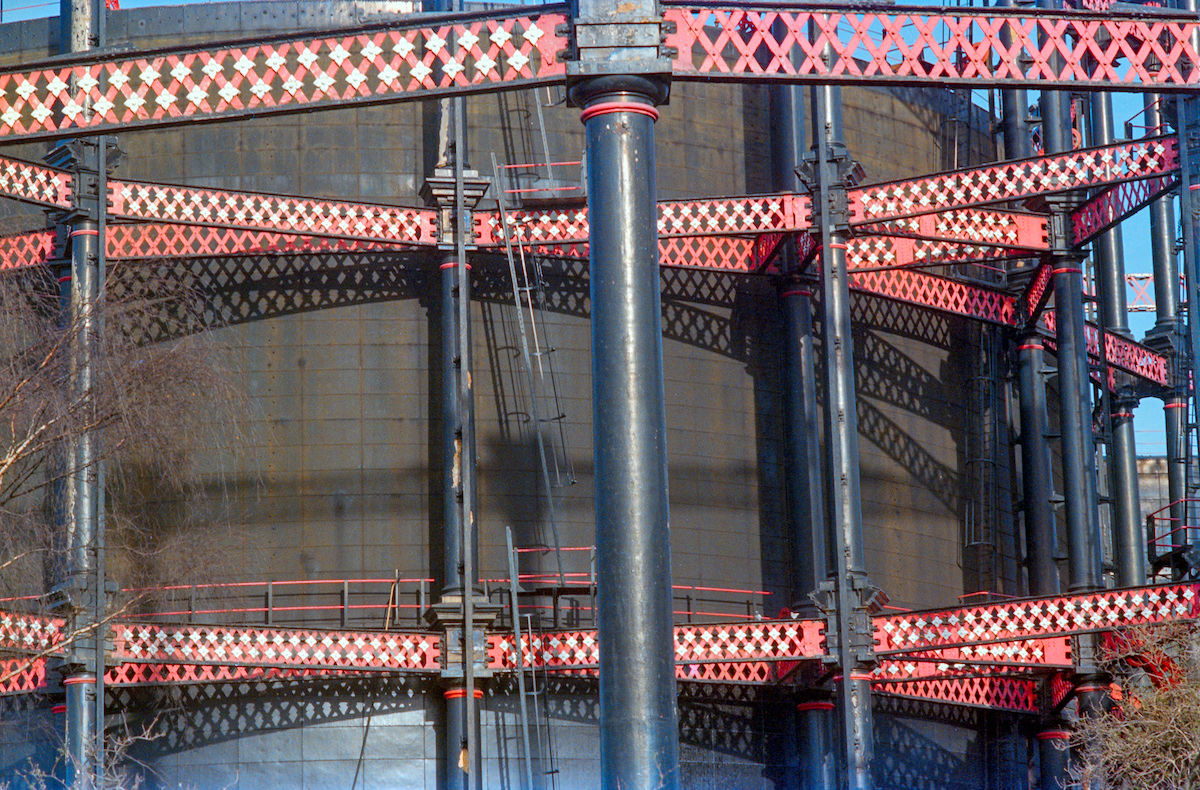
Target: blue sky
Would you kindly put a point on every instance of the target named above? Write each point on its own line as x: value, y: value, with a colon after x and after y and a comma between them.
x: 1149, y: 420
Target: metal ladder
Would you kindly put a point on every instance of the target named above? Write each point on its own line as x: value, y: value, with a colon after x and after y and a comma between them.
x: 543, y: 741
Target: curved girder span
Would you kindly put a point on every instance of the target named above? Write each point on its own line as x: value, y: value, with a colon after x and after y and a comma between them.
x: 425, y: 56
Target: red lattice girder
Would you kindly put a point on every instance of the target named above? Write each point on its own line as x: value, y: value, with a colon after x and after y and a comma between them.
x: 1036, y: 617
x: 33, y: 183
x: 1115, y: 204
x: 273, y: 647
x: 139, y: 674
x: 29, y: 633
x: 292, y: 73
x: 1038, y: 292
x: 729, y: 652
x: 1120, y: 352
x: 765, y: 248
x: 163, y: 240
x: 870, y: 252
x: 973, y: 226
x: 734, y: 216
x: 273, y: 213
x: 1017, y: 179
x: 938, y: 293
x: 707, y: 252
x: 731, y: 216
x: 1030, y: 653
x: 1111, y: 51
x: 21, y: 250
x: 22, y: 675
x: 1141, y: 292
x: 1019, y: 695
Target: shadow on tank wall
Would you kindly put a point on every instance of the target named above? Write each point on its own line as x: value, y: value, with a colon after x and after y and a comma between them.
x: 907, y: 373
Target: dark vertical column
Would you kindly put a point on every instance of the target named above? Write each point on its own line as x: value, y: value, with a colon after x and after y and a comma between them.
x: 818, y: 770
x: 1129, y: 545
x: 1041, y: 539
x: 638, y: 718
x: 1078, y: 446
x: 79, y: 671
x: 1014, y: 109
x: 452, y: 439
x: 1168, y: 326
x: 855, y: 650
x: 806, y: 507
x: 1053, y: 756
x: 1188, y: 114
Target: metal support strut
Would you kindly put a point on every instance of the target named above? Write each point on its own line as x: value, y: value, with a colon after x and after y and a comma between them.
x: 849, y: 599
x: 1129, y: 547
x: 638, y: 718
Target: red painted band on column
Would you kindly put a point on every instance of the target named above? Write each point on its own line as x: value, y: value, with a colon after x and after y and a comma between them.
x: 807, y: 706
x: 79, y: 679
x: 75, y: 233
x: 860, y: 676
x: 452, y: 265
x: 786, y: 294
x: 66, y: 278
x: 1175, y: 405
x: 1031, y: 347
x: 1088, y: 689
x: 607, y: 107
x: 1054, y: 735
x: 60, y: 708
x: 1066, y: 271
x: 460, y: 693
x: 1119, y: 415
x: 838, y: 245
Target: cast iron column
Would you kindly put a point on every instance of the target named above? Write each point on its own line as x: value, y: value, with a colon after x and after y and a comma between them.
x: 461, y: 610
x: 1053, y: 756
x: 1129, y: 545
x: 76, y: 595
x: 1078, y: 446
x: 638, y: 719
x: 1014, y: 108
x: 1078, y: 449
x: 1041, y: 539
x: 1188, y: 114
x: 806, y: 508
x: 1169, y: 328
x: 849, y: 634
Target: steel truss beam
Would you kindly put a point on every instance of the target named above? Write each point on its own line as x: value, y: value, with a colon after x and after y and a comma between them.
x: 896, y: 45
x: 336, y: 68
x: 476, y: 52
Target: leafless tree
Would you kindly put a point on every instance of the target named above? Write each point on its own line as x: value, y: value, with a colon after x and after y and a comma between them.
x: 1151, y: 739
x: 149, y: 408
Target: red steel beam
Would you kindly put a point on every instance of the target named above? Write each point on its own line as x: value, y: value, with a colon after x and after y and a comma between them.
x: 970, y: 47
x: 1018, y: 619
x: 1010, y: 229
x: 1115, y: 204
x: 275, y: 647
x: 1018, y: 179
x: 288, y: 73
x: 369, y: 222
x: 20, y: 250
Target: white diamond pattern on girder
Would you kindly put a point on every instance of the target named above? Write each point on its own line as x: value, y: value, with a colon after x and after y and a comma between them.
x: 1006, y: 622
x: 1016, y: 180
x: 277, y: 648
x: 271, y: 213
x: 299, y: 72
